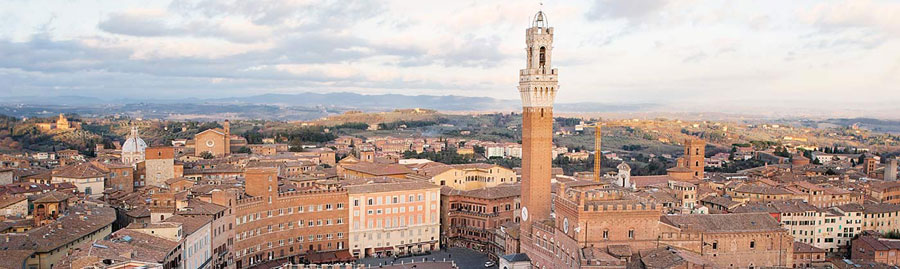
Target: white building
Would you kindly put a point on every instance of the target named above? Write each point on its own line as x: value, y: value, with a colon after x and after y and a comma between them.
x: 133, y: 148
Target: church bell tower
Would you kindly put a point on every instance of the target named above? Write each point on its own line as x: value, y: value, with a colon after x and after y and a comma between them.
x: 537, y: 86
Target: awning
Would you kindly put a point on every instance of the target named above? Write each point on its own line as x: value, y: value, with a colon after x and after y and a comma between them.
x: 384, y: 249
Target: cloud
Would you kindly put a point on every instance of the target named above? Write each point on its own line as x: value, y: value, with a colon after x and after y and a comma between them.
x: 158, y: 23
x: 634, y: 50
x: 138, y: 23
x: 882, y: 16
x: 631, y: 10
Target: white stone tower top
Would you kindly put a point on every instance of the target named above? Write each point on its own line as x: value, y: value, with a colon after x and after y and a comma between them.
x: 538, y: 81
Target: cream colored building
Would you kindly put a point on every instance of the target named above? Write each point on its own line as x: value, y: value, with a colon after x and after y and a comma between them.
x: 391, y: 216
x: 88, y: 178
x: 467, y: 177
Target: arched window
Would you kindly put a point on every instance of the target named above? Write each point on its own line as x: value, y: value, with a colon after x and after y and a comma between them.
x: 543, y: 58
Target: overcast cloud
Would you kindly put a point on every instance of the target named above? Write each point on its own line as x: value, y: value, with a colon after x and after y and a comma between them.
x: 624, y: 51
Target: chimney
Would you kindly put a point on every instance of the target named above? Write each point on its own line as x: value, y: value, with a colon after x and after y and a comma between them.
x: 59, y: 226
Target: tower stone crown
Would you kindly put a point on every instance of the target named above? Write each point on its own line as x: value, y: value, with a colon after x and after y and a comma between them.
x: 538, y: 81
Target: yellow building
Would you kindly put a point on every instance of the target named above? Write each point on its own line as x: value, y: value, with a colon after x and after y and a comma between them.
x: 61, y: 124
x: 467, y: 177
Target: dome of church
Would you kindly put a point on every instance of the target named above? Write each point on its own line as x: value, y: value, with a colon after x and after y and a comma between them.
x: 134, y: 143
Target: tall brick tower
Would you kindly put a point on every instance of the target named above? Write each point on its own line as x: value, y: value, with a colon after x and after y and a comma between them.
x: 694, y: 156
x: 537, y: 85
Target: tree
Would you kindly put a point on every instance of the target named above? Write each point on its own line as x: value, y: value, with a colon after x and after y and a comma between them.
x: 206, y: 155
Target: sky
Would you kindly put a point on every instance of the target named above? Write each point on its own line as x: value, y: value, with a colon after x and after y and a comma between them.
x: 678, y: 52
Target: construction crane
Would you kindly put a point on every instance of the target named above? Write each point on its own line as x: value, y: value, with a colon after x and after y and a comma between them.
x: 598, y: 141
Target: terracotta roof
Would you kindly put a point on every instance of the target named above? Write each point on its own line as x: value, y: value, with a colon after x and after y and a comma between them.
x: 724, y: 223
x: 84, y: 170
x: 139, y: 212
x: 132, y: 244
x: 720, y: 201
x: 762, y: 189
x: 197, y: 207
x: 800, y: 247
x: 786, y: 206
x: 79, y: 221
x: 52, y: 197
x: 619, y: 250
x: 670, y: 257
x: 176, y: 180
x: 384, y: 184
x: 378, y: 169
x: 878, y: 243
x: 679, y: 169
x: 880, y: 208
x: 648, y: 181
x: 884, y: 185
x: 851, y: 207
x: 190, y: 224
x: 596, y: 256
x: 500, y: 191
x: 216, y: 130
x: 8, y: 200
x: 14, y: 259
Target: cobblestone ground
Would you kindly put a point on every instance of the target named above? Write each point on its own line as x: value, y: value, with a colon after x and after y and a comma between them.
x: 464, y: 258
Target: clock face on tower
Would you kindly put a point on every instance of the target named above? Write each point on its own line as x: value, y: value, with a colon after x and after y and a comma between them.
x: 524, y: 213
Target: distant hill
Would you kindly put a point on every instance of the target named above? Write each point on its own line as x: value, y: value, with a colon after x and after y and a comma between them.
x: 887, y: 126
x: 374, y: 102
x: 340, y: 100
